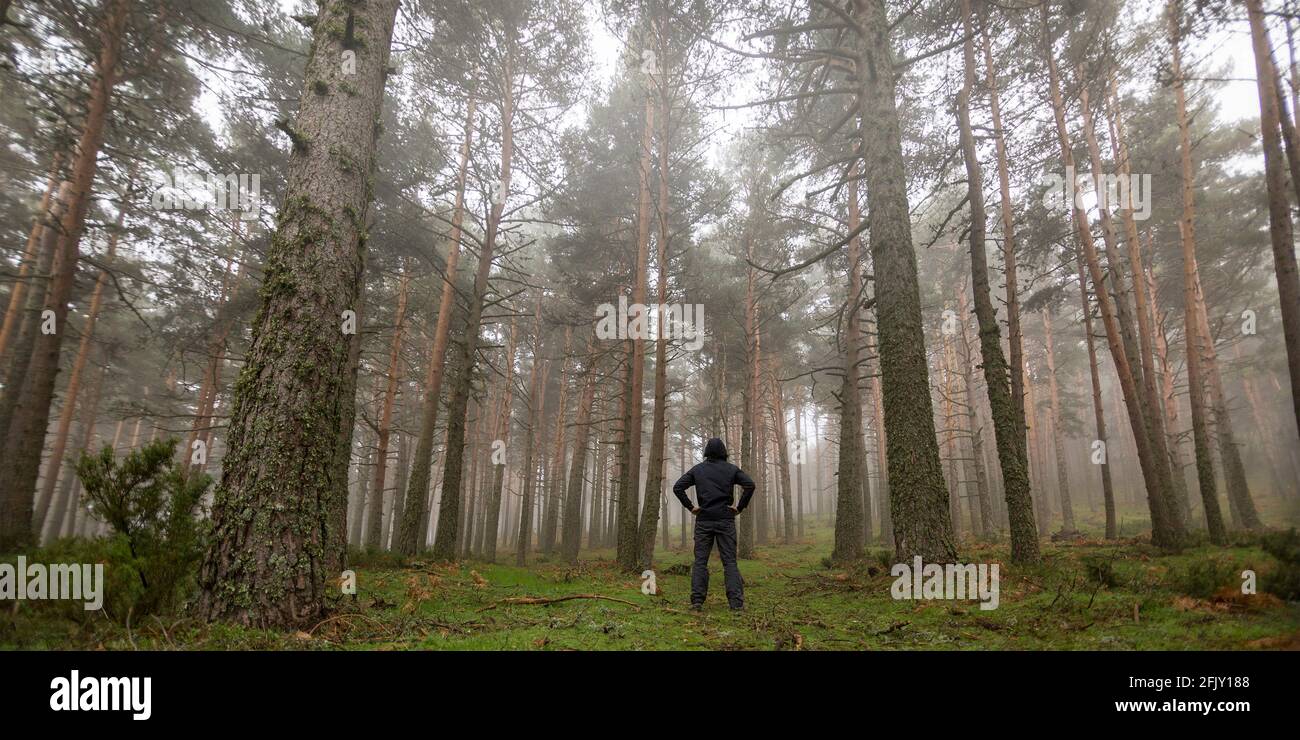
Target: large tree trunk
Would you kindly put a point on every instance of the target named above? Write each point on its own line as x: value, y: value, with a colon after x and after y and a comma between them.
x: 1166, y: 525
x: 274, y: 527
x: 918, y: 498
x: 410, y: 534
x: 26, y: 436
x: 1004, y: 384
x: 1279, y: 212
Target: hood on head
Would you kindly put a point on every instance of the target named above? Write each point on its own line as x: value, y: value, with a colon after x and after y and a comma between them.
x: 715, y: 450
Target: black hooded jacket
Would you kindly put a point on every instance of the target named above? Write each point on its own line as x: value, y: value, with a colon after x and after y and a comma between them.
x: 715, y: 480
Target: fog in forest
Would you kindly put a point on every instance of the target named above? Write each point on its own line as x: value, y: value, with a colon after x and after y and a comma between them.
x: 408, y: 325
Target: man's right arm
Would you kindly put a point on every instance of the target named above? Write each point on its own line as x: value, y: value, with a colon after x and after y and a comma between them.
x: 679, y: 488
x: 746, y: 484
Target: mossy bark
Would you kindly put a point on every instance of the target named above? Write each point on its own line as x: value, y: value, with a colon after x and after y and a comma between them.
x: 276, y: 533
x: 918, y: 496
x: 1003, y: 383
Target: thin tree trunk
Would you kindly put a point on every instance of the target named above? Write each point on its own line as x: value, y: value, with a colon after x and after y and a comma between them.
x: 536, y: 409
x: 983, y: 526
x: 799, y: 461
x: 1004, y: 384
x: 55, y: 460
x: 62, y: 522
x: 1058, y: 434
x: 444, y: 544
x: 1166, y: 525
x: 31, y: 319
x: 555, y: 479
x: 654, y: 493
x: 31, y: 256
x: 376, y: 515
x: 783, y: 457
x: 629, y: 543
x: 572, y: 539
x: 26, y: 436
x: 493, y: 521
x: 1234, y: 471
x: 1107, y: 489
x: 409, y: 539
x: 848, y: 489
x: 1017, y: 485
x: 1169, y: 402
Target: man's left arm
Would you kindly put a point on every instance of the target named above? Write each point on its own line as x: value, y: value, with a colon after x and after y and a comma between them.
x: 679, y: 488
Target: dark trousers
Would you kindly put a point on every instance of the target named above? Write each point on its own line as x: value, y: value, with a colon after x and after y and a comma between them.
x: 723, y: 533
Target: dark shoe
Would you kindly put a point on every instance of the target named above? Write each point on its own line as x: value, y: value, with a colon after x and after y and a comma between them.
x: 697, y: 607
x: 740, y: 608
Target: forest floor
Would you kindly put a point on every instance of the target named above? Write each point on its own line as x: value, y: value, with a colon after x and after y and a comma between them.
x: 1086, y: 595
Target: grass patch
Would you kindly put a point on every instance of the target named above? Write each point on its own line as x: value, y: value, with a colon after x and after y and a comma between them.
x: 1089, y: 595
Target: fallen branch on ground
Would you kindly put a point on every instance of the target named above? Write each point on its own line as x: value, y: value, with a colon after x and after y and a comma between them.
x: 538, y: 600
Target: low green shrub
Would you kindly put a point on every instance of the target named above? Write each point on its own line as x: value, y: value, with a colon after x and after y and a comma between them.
x: 155, y: 509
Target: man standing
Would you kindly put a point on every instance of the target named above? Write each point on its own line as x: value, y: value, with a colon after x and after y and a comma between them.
x: 715, y: 513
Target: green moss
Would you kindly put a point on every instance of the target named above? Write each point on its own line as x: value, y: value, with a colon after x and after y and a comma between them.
x: 791, y: 601
x: 301, y: 142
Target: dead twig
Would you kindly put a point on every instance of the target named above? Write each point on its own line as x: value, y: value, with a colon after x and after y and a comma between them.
x: 540, y: 601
